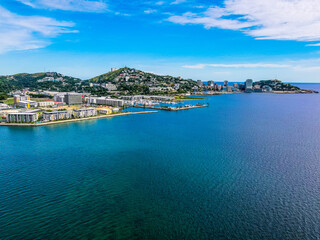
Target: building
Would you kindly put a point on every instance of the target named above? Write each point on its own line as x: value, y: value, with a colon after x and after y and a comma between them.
x: 249, y: 84
x: 46, y: 103
x: 266, y: 88
x: 106, y: 101
x: 85, y: 112
x: 18, y: 98
x: 22, y: 117
x: 105, y: 111
x: 199, y: 83
x: 229, y: 88
x: 57, y: 115
x: 114, y: 69
x: 109, y: 86
x: 235, y: 85
x: 115, y: 110
x: 59, y: 97
x: 27, y: 104
x: 73, y: 98
x: 226, y: 83
x: 210, y: 83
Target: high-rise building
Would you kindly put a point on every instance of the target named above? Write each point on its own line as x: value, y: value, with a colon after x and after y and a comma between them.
x: 249, y: 84
x: 73, y: 98
x: 226, y: 83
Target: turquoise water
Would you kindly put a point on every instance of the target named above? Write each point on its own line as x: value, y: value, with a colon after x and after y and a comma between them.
x: 247, y: 167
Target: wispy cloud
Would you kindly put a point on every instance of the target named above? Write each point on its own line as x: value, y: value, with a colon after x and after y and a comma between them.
x: 178, y: 2
x: 28, y: 32
x: 273, y: 19
x: 149, y: 11
x: 69, y: 5
x: 241, y: 65
x: 313, y: 45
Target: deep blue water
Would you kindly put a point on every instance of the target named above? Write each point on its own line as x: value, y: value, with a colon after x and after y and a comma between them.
x: 246, y: 167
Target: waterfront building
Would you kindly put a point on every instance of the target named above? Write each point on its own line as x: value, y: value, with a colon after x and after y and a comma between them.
x: 199, y: 83
x: 219, y: 87
x: 85, y: 112
x: 226, y: 83
x: 109, y: 102
x: 46, y: 103
x: 229, y: 88
x: 27, y: 104
x: 57, y: 115
x: 105, y: 111
x: 115, y: 110
x: 73, y: 98
x: 235, y: 85
x: 22, y: 117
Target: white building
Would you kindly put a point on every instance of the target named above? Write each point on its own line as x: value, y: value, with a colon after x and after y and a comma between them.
x: 85, y: 112
x: 105, y: 101
x: 46, y: 103
x: 27, y: 104
x: 57, y: 115
x: 105, y: 111
x: 59, y: 97
x: 25, y: 117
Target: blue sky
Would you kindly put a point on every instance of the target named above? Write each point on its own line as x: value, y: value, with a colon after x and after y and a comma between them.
x: 208, y: 40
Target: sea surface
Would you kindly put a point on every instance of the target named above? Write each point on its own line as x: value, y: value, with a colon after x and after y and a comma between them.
x: 247, y: 167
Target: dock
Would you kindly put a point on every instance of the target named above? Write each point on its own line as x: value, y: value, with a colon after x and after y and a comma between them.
x: 172, y: 108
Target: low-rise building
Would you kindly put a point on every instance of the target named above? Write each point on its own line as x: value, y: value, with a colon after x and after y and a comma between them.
x: 57, y: 115
x: 105, y: 111
x: 46, y: 103
x: 22, y: 117
x: 115, y: 110
x: 109, y: 102
x: 27, y: 104
x: 59, y: 97
x: 20, y: 97
x: 85, y: 112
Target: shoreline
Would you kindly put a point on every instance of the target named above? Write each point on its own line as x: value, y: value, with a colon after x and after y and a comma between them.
x: 71, y: 120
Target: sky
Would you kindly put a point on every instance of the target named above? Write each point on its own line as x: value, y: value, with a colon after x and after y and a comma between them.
x: 207, y: 40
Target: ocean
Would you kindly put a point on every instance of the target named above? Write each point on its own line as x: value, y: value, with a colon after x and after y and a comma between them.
x: 246, y: 167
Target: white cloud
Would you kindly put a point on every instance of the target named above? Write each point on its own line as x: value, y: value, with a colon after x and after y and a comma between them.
x: 313, y: 45
x: 70, y: 5
x: 273, y: 19
x: 28, y: 32
x: 178, y: 2
x: 160, y: 3
x: 149, y: 11
x: 241, y: 65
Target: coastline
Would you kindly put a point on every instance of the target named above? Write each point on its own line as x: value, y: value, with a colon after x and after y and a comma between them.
x: 72, y: 120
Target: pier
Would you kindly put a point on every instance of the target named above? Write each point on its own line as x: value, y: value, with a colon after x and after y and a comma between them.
x: 173, y: 108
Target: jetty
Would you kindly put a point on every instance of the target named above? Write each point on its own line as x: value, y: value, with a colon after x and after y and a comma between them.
x: 167, y: 108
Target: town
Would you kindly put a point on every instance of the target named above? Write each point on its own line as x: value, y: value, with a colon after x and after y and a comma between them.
x: 112, y: 93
